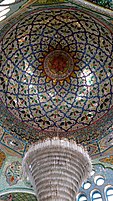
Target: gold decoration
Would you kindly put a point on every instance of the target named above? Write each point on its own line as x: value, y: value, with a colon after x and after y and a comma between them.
x: 2, y: 158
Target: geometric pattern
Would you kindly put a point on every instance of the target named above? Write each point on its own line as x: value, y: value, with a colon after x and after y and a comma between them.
x: 45, y: 103
x: 18, y: 197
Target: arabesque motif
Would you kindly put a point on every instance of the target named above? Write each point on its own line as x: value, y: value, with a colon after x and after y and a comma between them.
x: 78, y: 100
x: 13, y: 173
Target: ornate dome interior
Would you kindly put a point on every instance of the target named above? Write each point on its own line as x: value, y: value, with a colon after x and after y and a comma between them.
x: 56, y: 70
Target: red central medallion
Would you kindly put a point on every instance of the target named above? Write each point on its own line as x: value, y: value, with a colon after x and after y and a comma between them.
x: 58, y: 65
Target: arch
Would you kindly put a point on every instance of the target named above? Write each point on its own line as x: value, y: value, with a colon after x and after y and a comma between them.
x: 109, y: 193
x: 96, y: 196
x: 82, y: 197
x: 99, y: 180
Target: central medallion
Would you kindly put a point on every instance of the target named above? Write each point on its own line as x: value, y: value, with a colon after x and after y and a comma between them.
x: 58, y: 65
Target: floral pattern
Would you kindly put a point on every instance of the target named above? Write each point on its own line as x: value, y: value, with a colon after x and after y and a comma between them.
x: 13, y: 173
x: 13, y: 143
x: 82, y: 97
x: 18, y: 127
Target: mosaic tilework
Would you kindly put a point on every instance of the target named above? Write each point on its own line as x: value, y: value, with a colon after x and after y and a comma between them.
x: 49, y: 1
x: 2, y: 158
x: 103, y: 3
x: 99, y: 171
x: 27, y: 183
x: 93, y: 149
x: 1, y: 131
x: 11, y: 177
x: 13, y: 173
x: 106, y: 142
x: 35, y: 98
x: 108, y: 160
x: 85, y: 136
x: 13, y: 143
x: 18, y: 197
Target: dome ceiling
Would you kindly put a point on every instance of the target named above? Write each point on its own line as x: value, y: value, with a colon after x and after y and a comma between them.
x: 57, y: 70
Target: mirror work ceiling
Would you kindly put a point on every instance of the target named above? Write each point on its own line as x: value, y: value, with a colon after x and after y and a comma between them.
x: 56, y: 70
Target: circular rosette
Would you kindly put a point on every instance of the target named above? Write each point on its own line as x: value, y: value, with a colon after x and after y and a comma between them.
x: 58, y: 65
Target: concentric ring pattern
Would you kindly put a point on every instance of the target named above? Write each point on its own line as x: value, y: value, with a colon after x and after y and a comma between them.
x: 45, y: 103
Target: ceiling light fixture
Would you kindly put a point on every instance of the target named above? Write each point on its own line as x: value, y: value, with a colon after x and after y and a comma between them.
x: 57, y: 168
